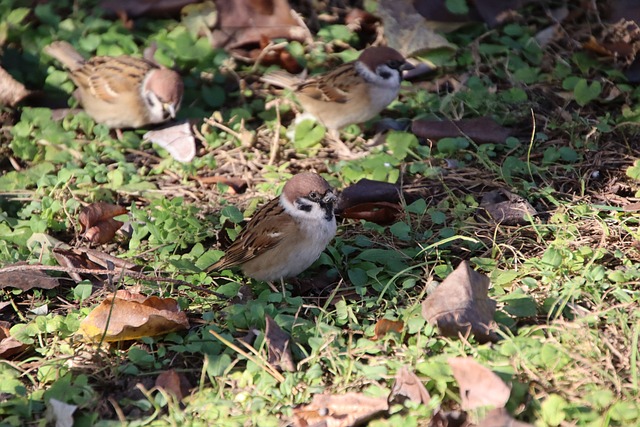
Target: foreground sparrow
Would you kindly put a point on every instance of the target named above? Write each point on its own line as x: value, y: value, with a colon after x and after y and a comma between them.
x: 287, y: 234
x: 351, y: 93
x: 123, y: 91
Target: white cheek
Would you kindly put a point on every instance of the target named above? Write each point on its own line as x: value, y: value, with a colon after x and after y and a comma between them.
x: 155, y: 110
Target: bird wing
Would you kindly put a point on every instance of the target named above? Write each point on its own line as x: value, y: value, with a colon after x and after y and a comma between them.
x: 103, y: 76
x: 333, y: 86
x: 266, y: 230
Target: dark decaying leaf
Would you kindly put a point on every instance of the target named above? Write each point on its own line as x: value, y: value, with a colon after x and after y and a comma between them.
x: 367, y: 191
x: 407, y: 385
x: 382, y: 213
x: 27, y: 279
x: 11, y: 91
x: 278, y: 346
x: 87, y: 258
x: 344, y: 410
x: 619, y: 41
x: 449, y: 419
x: 174, y: 382
x: 479, y: 386
x: 503, y: 207
x: 236, y: 185
x: 479, y: 129
x: 493, y: 12
x: 98, y: 223
x: 246, y: 22
x: 132, y: 316
x: 384, y: 326
x: 9, y: 346
x: 499, y: 417
x: 136, y: 8
x: 460, y: 305
x: 177, y: 139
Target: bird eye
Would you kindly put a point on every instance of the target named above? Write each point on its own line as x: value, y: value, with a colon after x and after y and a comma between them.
x: 394, y: 63
x: 314, y: 196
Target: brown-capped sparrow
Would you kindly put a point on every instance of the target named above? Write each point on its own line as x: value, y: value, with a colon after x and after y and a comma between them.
x: 351, y: 93
x: 287, y: 234
x: 122, y: 91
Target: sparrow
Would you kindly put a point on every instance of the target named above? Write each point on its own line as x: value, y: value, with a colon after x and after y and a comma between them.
x: 122, y: 91
x: 287, y: 234
x: 351, y: 93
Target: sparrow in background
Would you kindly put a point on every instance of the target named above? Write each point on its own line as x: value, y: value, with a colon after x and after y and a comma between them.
x: 123, y: 91
x: 351, y: 93
x: 287, y: 234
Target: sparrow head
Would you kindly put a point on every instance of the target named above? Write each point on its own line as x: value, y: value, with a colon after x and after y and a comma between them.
x: 310, y: 195
x: 162, y: 92
x: 382, y: 65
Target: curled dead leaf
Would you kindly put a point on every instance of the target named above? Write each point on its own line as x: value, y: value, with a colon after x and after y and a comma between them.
x: 236, y: 185
x: 9, y: 346
x: 129, y: 316
x: 176, y: 138
x: 460, y: 305
x: 479, y: 386
x: 11, y: 91
x: 174, y: 382
x: 98, y: 223
x: 344, y: 410
x: 407, y: 385
x: 278, y: 346
x: 384, y: 326
x: 382, y: 213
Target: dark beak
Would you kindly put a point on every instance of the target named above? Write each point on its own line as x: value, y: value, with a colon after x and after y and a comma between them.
x: 406, y: 66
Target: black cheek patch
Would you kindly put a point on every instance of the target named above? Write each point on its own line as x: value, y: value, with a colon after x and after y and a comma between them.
x: 305, y: 208
x: 385, y: 74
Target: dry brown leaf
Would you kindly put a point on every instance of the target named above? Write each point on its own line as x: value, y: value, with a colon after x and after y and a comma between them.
x: 460, y: 305
x: 367, y: 191
x: 479, y: 386
x: 384, y: 326
x: 278, y: 346
x: 479, y: 129
x: 103, y: 232
x: 88, y: 258
x: 236, y: 185
x: 339, y: 410
x: 9, y: 346
x: 133, y: 316
x: 246, y: 22
x: 449, y: 419
x: 136, y: 8
x: 11, y: 91
x: 27, y: 279
x: 97, y: 220
x: 499, y: 417
x: 407, y: 385
x: 406, y: 30
x: 176, y: 138
x: 503, y: 207
x: 174, y: 383
x: 97, y: 212
x: 382, y: 213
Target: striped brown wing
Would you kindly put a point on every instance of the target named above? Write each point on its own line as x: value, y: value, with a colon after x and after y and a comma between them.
x: 266, y: 230
x: 107, y: 78
x: 334, y: 86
